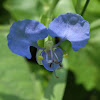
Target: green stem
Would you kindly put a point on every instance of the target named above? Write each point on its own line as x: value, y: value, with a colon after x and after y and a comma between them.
x: 47, y: 18
x: 53, y: 6
x: 85, y: 6
x: 78, y: 6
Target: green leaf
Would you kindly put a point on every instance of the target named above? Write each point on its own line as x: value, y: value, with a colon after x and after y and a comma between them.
x: 64, y: 6
x: 24, y: 9
x: 85, y: 63
x: 92, y: 12
x: 95, y: 24
x: 83, y: 68
x: 16, y: 81
x: 56, y: 86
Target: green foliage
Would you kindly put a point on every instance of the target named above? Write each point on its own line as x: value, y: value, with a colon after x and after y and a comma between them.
x: 64, y: 6
x: 21, y: 80
x: 56, y: 87
x: 24, y: 9
x: 93, y: 10
x: 85, y: 63
x: 16, y: 81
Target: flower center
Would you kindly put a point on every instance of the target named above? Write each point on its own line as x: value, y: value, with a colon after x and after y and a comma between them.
x: 52, y: 58
x: 48, y: 45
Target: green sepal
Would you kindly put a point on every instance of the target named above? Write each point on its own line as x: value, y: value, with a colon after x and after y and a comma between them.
x: 37, y: 55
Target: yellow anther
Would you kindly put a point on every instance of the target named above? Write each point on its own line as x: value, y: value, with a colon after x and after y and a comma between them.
x: 65, y: 56
x: 40, y: 58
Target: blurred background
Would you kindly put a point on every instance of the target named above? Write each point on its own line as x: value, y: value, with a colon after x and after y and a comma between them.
x: 23, y: 79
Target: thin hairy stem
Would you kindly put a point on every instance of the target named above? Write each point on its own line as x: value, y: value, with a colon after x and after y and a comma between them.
x: 78, y: 6
x: 85, y: 6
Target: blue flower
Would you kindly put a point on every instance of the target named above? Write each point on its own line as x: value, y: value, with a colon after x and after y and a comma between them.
x: 26, y: 33
x: 71, y: 27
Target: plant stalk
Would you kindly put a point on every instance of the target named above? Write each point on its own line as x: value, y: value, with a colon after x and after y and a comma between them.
x: 85, y: 6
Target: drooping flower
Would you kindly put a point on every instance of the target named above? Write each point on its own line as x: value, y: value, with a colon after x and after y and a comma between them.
x: 26, y: 33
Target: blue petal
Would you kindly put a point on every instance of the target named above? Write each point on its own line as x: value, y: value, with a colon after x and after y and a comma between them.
x: 71, y: 27
x: 45, y: 61
x: 24, y: 34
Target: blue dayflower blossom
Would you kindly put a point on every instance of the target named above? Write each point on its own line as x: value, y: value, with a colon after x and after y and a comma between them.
x: 26, y: 33
x: 71, y: 27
